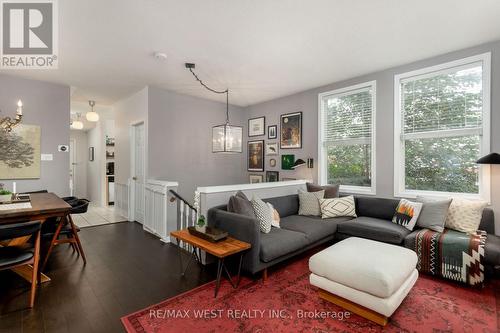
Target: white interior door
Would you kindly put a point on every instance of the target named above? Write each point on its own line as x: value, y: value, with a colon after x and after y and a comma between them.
x: 72, y: 166
x: 138, y: 176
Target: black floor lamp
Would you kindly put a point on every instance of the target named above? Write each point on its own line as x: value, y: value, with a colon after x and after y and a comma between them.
x: 492, y: 158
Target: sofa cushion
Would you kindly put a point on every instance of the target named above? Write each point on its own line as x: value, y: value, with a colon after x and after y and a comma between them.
x: 240, y: 204
x: 331, y: 191
x: 373, y: 228
x: 376, y: 207
x: 285, y: 205
x: 492, y: 250
x: 309, y: 203
x: 279, y: 242
x: 488, y: 221
x: 433, y: 214
x: 314, y: 228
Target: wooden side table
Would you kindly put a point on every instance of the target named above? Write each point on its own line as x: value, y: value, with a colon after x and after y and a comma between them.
x: 221, y: 250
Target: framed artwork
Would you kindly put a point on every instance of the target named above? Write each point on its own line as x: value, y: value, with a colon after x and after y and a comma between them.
x: 256, y: 179
x: 291, y: 130
x: 20, y: 152
x: 272, y: 176
x: 287, y: 162
x: 256, y: 126
x: 271, y: 148
x: 256, y: 155
x: 272, y: 132
x: 91, y: 154
x: 272, y: 162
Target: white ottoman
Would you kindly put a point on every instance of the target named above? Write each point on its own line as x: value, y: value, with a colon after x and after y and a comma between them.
x: 363, y: 276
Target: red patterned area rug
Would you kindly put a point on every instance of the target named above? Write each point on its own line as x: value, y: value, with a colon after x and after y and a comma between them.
x: 286, y: 302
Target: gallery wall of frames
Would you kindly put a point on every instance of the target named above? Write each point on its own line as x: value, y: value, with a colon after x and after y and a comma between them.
x: 270, y: 143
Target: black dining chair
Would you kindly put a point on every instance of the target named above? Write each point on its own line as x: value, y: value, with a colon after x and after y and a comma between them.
x: 67, y: 228
x: 28, y: 254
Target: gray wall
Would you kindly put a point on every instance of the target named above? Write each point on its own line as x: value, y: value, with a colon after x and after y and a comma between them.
x: 307, y: 102
x: 46, y: 105
x: 180, y: 142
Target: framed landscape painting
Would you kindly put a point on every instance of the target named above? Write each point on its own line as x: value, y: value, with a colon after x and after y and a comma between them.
x: 291, y: 130
x: 256, y: 155
x: 20, y: 153
x: 256, y: 126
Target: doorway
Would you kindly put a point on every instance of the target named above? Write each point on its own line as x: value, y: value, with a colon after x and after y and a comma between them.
x: 72, y: 166
x: 138, y: 171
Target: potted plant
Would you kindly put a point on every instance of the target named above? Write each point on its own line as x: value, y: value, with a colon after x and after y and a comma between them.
x: 5, y: 195
x: 201, y: 224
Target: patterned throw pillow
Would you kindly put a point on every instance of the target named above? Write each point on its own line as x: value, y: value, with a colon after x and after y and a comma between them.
x: 465, y: 215
x: 337, y: 207
x: 309, y: 202
x: 263, y: 214
x: 276, y: 216
x: 407, y: 213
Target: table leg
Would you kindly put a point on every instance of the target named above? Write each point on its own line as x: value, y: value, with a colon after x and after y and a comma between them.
x: 193, y: 255
x: 219, y: 274
x: 53, y: 241
x: 177, y: 240
x: 239, y: 271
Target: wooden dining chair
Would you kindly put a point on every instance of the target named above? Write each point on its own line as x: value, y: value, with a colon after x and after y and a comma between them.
x: 28, y: 254
x: 65, y: 231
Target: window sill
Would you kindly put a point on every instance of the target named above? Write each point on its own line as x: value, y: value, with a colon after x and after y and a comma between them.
x: 436, y: 194
x: 357, y: 190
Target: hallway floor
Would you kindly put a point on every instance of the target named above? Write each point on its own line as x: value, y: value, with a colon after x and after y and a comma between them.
x: 97, y: 216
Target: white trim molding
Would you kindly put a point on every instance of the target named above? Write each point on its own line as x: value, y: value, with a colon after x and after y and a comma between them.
x: 483, y: 132
x: 322, y: 144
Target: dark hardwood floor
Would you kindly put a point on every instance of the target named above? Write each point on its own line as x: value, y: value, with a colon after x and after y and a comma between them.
x: 127, y: 269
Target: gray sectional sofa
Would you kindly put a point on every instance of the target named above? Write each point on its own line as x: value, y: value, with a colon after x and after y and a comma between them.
x: 301, y: 233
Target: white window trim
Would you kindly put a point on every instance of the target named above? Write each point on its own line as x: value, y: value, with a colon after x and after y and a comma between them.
x: 484, y: 170
x: 322, y: 169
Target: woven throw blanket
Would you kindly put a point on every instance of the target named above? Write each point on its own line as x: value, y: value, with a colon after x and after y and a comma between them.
x: 452, y: 255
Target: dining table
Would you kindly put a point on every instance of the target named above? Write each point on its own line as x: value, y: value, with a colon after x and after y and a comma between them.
x: 44, y: 206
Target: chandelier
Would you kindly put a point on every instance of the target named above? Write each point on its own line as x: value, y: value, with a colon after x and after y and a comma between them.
x: 226, y: 138
x: 7, y: 124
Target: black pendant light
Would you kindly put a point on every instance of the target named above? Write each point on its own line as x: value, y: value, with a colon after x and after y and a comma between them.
x: 226, y: 138
x: 492, y: 158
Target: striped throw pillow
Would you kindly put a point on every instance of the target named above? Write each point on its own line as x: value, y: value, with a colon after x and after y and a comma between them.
x: 337, y: 207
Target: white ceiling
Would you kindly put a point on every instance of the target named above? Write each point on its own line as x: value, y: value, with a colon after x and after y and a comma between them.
x: 260, y: 49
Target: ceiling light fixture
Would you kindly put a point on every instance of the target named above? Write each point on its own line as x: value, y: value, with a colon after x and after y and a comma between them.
x: 226, y: 138
x: 77, y: 124
x: 92, y: 115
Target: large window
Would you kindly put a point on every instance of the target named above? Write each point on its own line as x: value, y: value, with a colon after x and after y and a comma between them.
x: 441, y: 128
x: 347, y: 138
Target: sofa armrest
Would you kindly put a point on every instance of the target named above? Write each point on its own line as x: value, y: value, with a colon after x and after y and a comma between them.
x: 241, y: 227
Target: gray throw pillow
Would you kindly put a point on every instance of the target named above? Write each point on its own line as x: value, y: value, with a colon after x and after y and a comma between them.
x: 433, y: 214
x: 309, y: 202
x: 240, y: 204
x: 331, y: 191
